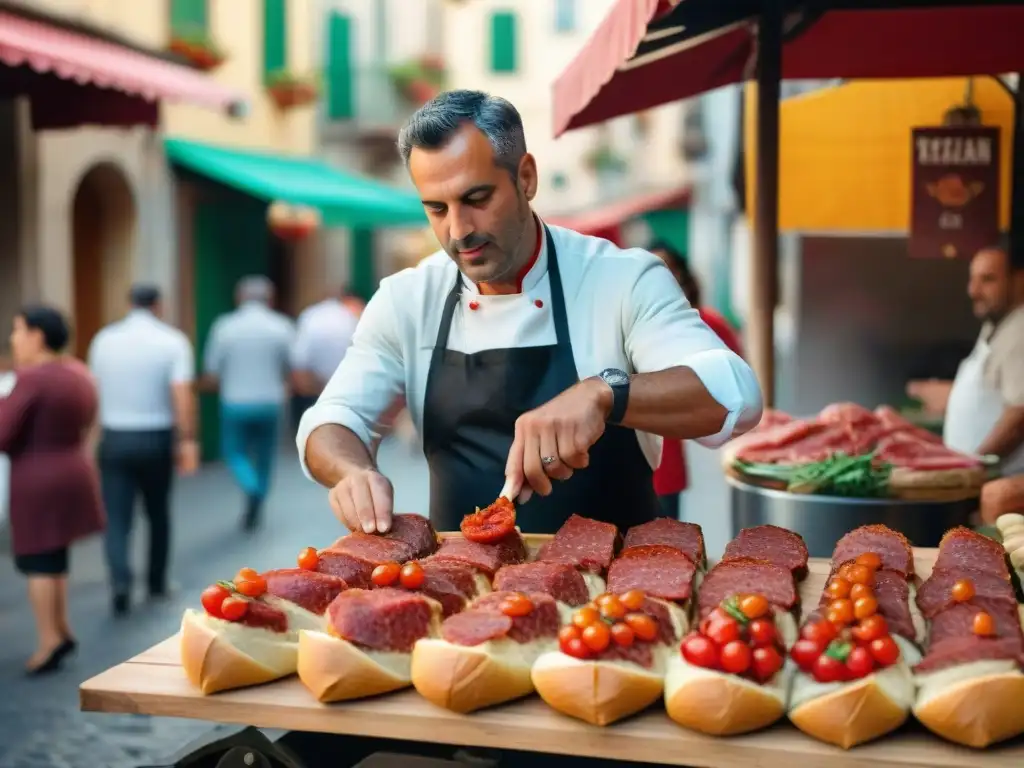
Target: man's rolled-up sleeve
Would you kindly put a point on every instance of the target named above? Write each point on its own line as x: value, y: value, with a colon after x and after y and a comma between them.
x: 663, y: 331
x: 366, y: 383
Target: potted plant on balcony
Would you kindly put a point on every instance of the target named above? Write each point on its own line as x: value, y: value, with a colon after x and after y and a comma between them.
x: 290, y: 90
x: 420, y: 79
x: 603, y: 159
x: 292, y: 222
x: 197, y: 48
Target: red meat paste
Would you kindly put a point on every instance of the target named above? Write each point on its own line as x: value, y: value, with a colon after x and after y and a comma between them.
x: 686, y: 537
x: 770, y: 544
x: 657, y: 570
x: 381, y: 619
x: 746, y: 576
x: 562, y: 582
x: 307, y: 589
x: 483, y: 621
x: 582, y: 543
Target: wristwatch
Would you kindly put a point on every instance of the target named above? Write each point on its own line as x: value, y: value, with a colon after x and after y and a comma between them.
x: 619, y: 383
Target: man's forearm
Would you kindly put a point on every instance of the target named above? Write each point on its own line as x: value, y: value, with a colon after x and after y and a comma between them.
x: 332, y: 451
x: 1007, y: 435
x: 184, y: 399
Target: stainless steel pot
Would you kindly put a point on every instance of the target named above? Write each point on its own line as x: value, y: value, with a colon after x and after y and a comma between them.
x: 822, y: 520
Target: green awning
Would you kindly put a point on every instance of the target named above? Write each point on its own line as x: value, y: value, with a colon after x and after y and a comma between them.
x: 343, y: 199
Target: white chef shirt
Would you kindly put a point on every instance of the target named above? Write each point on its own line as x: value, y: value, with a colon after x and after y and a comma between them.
x: 624, y: 309
x: 247, y: 350
x: 323, y: 335
x: 135, y: 362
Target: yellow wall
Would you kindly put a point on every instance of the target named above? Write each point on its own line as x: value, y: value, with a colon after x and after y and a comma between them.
x: 237, y: 27
x: 844, y: 160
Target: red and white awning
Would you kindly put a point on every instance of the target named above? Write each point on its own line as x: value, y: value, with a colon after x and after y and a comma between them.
x: 615, y: 213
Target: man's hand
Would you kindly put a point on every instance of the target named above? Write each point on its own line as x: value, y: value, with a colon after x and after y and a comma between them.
x: 187, y: 459
x: 363, y: 501
x: 564, y: 429
x: 933, y: 394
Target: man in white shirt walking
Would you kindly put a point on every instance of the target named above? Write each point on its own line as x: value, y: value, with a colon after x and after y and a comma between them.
x: 246, y: 356
x: 144, y: 371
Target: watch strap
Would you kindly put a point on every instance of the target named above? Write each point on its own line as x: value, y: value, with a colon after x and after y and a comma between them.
x: 618, y: 382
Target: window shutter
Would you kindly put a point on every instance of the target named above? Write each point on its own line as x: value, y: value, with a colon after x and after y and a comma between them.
x: 565, y: 15
x: 340, y: 81
x: 275, y: 36
x: 188, y: 17
x: 503, y: 42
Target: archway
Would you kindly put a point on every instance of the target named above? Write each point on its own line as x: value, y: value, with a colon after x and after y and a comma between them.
x: 102, y: 236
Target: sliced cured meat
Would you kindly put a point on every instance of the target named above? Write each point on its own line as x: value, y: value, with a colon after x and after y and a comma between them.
x: 307, y: 589
x: 381, y: 619
x: 963, y: 650
x: 416, y: 531
x: 583, y: 543
x: 449, y: 583
x: 908, y: 451
x: 892, y: 592
x: 780, y: 435
x: 891, y: 546
x: 262, y: 616
x: 771, y: 544
x: 484, y: 621
x: 746, y: 576
x: 354, y: 570
x: 374, y: 548
x: 963, y: 548
x: 657, y: 570
x: 487, y: 558
x: 686, y: 537
x: 561, y: 581
x: 849, y: 414
x: 895, y: 423
x: 936, y: 593
x: 772, y: 418
x: 958, y: 620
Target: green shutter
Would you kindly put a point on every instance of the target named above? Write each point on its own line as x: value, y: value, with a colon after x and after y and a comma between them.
x: 340, y: 96
x: 503, y: 42
x: 188, y: 17
x: 362, y: 271
x: 275, y: 36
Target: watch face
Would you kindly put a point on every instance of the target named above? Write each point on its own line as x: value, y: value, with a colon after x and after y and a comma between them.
x: 615, y: 377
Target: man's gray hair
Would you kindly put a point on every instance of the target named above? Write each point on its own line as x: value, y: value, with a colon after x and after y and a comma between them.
x: 435, y: 123
x: 255, y: 288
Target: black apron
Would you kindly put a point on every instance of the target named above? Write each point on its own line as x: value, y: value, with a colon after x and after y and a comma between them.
x: 470, y: 409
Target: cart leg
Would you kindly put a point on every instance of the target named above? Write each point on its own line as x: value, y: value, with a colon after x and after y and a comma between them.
x: 232, y: 747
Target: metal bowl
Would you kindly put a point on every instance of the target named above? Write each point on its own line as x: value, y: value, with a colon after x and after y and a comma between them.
x: 823, y: 520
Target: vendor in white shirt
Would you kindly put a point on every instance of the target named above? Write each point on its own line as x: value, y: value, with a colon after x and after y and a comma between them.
x: 526, y: 352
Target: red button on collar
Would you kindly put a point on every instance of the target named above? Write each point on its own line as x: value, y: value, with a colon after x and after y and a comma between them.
x: 474, y: 305
x: 538, y: 303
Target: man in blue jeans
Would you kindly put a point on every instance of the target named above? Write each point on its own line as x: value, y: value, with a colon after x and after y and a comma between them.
x: 246, y: 356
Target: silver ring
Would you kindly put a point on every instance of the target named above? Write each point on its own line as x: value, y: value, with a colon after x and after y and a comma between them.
x: 546, y: 460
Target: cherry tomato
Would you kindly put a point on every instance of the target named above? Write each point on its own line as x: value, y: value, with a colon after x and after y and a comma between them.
x: 517, y: 605
x: 860, y: 662
x: 762, y: 632
x: 597, y: 637
x: 234, y: 608
x: 983, y: 625
x: 309, y: 558
x: 753, y: 606
x: 885, y: 650
x: 700, y: 651
x: 963, y: 590
x: 213, y: 597
x: 567, y: 633
x: 490, y: 524
x: 412, y: 576
x: 871, y: 628
x: 735, y: 657
x: 250, y: 583
x: 612, y: 608
x: 844, y: 571
x: 585, y: 616
x: 245, y: 574
x: 838, y: 588
x: 576, y: 648
x: 870, y: 559
x: 857, y: 591
x: 723, y: 631
x: 765, y: 663
x: 864, y: 607
x: 633, y: 599
x: 644, y: 627
x: 861, y: 574
x: 820, y: 632
x: 622, y: 634
x: 386, y: 574
x: 828, y: 670
x: 805, y: 652
x: 840, y: 612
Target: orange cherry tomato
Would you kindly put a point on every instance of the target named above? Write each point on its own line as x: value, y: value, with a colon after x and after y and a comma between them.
x: 309, y: 558
x: 585, y: 616
x: 597, y: 637
x: 644, y: 627
x: 516, y: 605
x: 861, y: 574
x: 234, y: 608
x: 622, y: 634
x: 844, y: 572
x: 840, y: 612
x: 723, y: 630
x: 838, y: 588
x: 700, y: 651
x: 386, y: 574
x: 244, y: 574
x: 250, y: 583
x: 762, y: 633
x: 963, y: 590
x: 820, y: 632
x: 612, y: 608
x: 735, y: 657
x: 567, y: 633
x: 864, y: 607
x: 576, y: 648
x: 871, y: 628
x: 213, y: 598
x: 983, y: 625
x: 857, y: 591
x: 870, y: 559
x: 753, y: 606
x: 885, y: 650
x: 412, y: 575
x: 633, y: 599
x: 765, y: 662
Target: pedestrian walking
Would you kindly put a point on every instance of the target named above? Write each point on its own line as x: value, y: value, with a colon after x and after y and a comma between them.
x: 144, y: 369
x: 45, y: 421
x: 246, y: 357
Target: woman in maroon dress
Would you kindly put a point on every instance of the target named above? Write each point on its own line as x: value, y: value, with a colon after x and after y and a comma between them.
x: 45, y: 422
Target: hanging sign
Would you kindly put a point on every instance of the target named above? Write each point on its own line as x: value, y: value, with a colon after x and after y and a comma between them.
x: 955, y: 191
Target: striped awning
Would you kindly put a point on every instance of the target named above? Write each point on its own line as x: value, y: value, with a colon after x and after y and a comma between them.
x: 646, y: 53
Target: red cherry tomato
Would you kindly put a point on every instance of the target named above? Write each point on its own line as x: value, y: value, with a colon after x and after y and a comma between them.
x: 700, y: 651
x: 871, y: 628
x: 490, y: 524
x: 576, y: 648
x: 762, y: 632
x: 633, y: 599
x: 766, y: 662
x: 386, y: 574
x: 821, y: 632
x: 885, y: 650
x: 567, y: 633
x: 309, y: 558
x: 644, y: 627
x: 234, y: 608
x: 735, y: 657
x: 723, y: 630
x: 828, y: 670
x: 212, y: 599
x: 860, y: 663
x: 622, y: 634
x: 412, y: 575
x: 805, y: 652
x: 597, y: 637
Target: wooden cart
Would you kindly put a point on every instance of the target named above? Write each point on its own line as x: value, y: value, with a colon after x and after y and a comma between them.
x: 153, y: 683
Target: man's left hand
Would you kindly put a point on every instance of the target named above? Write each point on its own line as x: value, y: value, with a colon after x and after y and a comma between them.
x: 561, y: 431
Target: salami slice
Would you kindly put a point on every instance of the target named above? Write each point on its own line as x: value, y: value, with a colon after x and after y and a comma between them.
x: 307, y: 589
x: 658, y: 570
x: 771, y: 544
x: 936, y: 593
x: 746, y: 576
x: 484, y: 621
x: 487, y: 558
x: 471, y: 627
x: 381, y: 619
x: 892, y: 547
x: 562, y: 582
x: 965, y: 649
x: 963, y: 548
x: 583, y: 543
x: 686, y: 537
x: 259, y: 615
x: 449, y: 583
x: 958, y: 620
x: 354, y: 570
x: 374, y: 548
x: 416, y: 531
